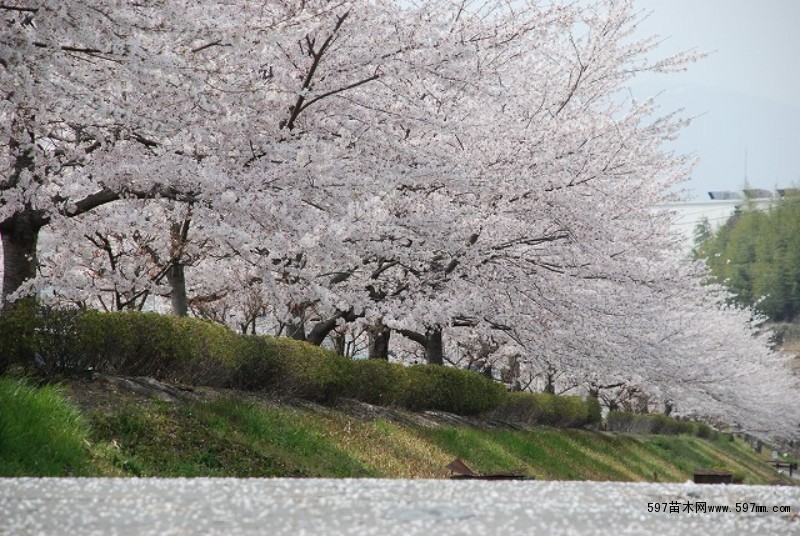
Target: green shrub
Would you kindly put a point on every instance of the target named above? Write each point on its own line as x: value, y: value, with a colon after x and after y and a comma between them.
x: 149, y: 344
x: 256, y: 365
x: 215, y: 355
x: 56, y: 350
x: 17, y: 335
x: 704, y: 431
x: 685, y: 427
x: 570, y: 412
x: 657, y: 423
x: 133, y: 343
x: 40, y: 433
x: 662, y: 424
x: 620, y: 421
x: 105, y: 340
x: 49, y: 341
x: 309, y: 371
x: 45, y: 340
x: 200, y: 352
x: 378, y: 382
x: 433, y: 387
x: 526, y: 408
x: 37, y: 339
x: 633, y: 423
x: 548, y: 410
x: 594, y: 411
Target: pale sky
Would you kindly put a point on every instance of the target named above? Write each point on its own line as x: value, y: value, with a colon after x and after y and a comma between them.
x: 745, y: 95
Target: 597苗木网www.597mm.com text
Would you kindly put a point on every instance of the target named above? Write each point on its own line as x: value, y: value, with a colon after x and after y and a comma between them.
x: 678, y: 507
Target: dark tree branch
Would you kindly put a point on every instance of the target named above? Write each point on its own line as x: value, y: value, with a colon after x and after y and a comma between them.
x: 316, y: 56
x: 524, y: 241
x: 19, y: 8
x: 106, y: 196
x: 415, y: 336
x: 340, y: 90
x: 207, y: 45
x: 322, y: 329
x: 383, y: 265
x: 93, y: 52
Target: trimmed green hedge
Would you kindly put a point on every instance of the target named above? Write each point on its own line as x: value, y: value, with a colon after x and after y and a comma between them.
x: 16, y: 334
x: 433, y: 387
x: 305, y: 370
x: 48, y: 342
x: 549, y: 410
x: 186, y: 350
x: 656, y: 423
x: 379, y: 382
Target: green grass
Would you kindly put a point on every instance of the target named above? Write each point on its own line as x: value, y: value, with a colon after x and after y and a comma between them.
x: 581, y: 455
x: 232, y: 438
x: 221, y: 438
x: 40, y: 434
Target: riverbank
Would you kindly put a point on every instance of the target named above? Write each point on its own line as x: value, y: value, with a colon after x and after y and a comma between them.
x: 142, y: 427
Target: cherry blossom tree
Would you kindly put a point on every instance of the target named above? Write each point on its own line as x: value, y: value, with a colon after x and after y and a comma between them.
x: 472, y: 176
x: 121, y: 255
x: 91, y: 100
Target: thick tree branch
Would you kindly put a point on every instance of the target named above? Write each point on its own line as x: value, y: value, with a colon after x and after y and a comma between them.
x: 19, y: 8
x: 107, y: 195
x: 322, y: 329
x: 415, y: 336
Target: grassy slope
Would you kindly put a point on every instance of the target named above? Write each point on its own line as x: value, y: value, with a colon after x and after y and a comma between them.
x: 231, y: 437
x: 40, y: 434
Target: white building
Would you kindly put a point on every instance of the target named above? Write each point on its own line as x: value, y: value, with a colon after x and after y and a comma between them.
x: 717, y: 210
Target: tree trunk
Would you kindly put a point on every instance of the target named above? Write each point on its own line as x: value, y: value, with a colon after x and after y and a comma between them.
x: 434, y: 353
x: 511, y: 374
x: 320, y: 331
x: 20, y: 236
x: 177, y: 282
x: 176, y: 274
x: 296, y: 330
x: 550, y: 382
x: 379, y: 342
x: 339, y: 343
x: 431, y: 341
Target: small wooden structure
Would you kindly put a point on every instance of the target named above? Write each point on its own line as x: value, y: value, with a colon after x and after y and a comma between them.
x: 461, y: 471
x: 710, y: 476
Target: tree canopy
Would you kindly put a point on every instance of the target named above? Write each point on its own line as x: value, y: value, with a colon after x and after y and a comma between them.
x: 756, y: 255
x: 471, y: 176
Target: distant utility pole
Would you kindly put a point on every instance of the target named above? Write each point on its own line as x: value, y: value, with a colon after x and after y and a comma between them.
x: 745, y: 166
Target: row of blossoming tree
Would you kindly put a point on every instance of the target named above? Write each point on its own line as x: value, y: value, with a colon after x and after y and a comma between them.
x: 448, y: 181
